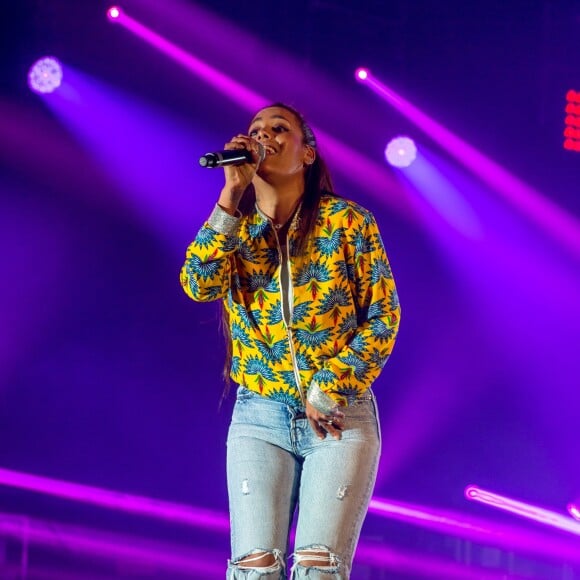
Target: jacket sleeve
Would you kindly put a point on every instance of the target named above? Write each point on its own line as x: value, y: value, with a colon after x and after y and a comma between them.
x: 206, y: 273
x: 353, y: 369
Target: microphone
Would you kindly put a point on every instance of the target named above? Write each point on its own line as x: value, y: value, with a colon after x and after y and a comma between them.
x: 230, y: 157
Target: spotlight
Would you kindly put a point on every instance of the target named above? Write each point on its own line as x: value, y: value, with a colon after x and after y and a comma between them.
x: 113, y: 13
x: 574, y: 511
x: 471, y: 491
x: 45, y: 75
x: 401, y: 151
x: 361, y: 74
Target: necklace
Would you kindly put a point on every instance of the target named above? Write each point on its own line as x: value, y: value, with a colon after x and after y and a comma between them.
x: 293, y: 217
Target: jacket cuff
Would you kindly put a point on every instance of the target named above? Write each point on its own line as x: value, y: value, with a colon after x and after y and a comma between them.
x: 320, y: 400
x: 224, y: 223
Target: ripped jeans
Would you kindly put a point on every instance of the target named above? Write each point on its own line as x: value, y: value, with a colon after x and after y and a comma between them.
x: 275, y: 462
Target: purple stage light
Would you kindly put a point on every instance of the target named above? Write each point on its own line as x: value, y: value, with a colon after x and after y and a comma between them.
x: 401, y: 151
x: 558, y: 223
x: 348, y: 161
x: 172, y: 559
x: 351, y: 164
x: 122, y: 135
x: 441, y: 191
x: 45, y: 75
x: 114, y: 13
x: 227, y: 85
x: 116, y: 500
x: 538, y: 514
x: 361, y: 74
x: 428, y: 517
x: 574, y: 511
x: 479, y: 530
x: 419, y: 565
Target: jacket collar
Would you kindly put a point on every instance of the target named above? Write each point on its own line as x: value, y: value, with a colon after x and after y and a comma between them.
x: 262, y: 217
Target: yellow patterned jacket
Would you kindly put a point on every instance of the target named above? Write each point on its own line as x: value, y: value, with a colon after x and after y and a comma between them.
x: 344, y: 309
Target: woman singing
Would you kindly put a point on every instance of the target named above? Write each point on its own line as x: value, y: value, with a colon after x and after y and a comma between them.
x: 311, y: 314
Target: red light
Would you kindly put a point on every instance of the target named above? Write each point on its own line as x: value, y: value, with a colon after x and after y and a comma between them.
x: 572, y: 121
x: 572, y: 133
x: 572, y: 145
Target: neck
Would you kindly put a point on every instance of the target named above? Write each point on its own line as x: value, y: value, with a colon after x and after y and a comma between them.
x: 278, y: 203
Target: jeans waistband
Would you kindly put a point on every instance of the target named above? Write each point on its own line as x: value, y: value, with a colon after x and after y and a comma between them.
x: 245, y: 392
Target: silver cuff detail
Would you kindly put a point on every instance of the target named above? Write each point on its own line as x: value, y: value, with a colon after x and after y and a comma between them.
x: 320, y: 400
x: 224, y: 223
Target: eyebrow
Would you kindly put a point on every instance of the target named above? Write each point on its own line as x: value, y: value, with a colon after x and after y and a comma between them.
x: 273, y: 116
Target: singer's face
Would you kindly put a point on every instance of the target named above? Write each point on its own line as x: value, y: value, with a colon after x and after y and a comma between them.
x: 279, y: 131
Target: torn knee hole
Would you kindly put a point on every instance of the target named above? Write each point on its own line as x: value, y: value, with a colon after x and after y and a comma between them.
x: 258, y: 560
x: 319, y: 558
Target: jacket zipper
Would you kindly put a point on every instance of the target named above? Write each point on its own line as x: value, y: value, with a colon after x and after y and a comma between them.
x: 290, y: 307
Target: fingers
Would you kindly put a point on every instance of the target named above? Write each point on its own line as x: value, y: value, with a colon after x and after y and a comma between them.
x: 318, y: 429
x: 325, y: 423
x: 333, y: 428
x: 244, y: 142
x: 238, y: 177
x: 328, y: 424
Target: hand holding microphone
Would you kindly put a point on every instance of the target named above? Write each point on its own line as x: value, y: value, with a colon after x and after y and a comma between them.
x: 231, y: 157
x: 240, y: 159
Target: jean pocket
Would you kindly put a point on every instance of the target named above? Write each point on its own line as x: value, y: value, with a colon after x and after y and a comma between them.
x: 244, y: 394
x: 360, y: 410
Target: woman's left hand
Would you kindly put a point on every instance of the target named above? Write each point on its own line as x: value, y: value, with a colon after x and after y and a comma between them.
x: 322, y: 423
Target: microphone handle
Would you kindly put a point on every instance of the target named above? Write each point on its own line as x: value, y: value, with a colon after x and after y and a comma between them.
x: 228, y: 157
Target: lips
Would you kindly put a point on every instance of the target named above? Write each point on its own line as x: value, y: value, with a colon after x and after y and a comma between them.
x: 270, y: 150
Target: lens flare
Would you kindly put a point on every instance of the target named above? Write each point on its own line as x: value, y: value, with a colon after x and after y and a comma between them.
x: 401, y: 151
x: 45, y: 75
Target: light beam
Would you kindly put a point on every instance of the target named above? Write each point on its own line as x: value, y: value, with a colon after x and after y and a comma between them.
x: 559, y: 224
x: 525, y: 510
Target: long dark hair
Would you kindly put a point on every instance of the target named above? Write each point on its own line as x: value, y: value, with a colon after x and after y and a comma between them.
x: 317, y: 182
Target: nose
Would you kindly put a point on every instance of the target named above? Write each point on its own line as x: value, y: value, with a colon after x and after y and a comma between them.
x: 262, y: 134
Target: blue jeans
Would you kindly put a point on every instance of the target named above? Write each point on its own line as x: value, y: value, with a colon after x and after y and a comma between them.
x: 274, y: 462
